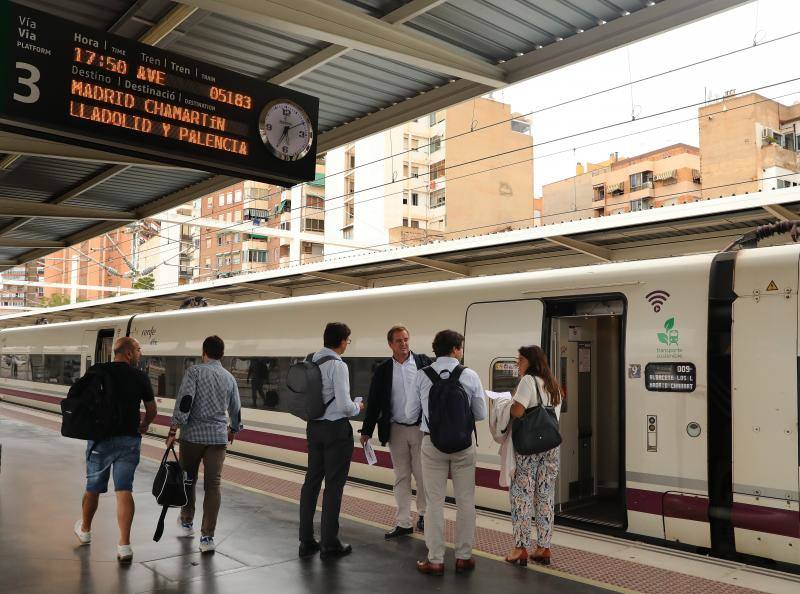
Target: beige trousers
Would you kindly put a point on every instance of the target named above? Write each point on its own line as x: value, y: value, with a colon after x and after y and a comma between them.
x: 435, y: 467
x: 405, y: 445
x: 213, y: 458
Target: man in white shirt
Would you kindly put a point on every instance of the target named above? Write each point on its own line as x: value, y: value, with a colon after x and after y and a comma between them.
x: 330, y: 447
x: 392, y: 385
x: 448, y: 345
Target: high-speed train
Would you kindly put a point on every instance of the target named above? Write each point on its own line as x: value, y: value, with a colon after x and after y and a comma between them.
x: 680, y: 420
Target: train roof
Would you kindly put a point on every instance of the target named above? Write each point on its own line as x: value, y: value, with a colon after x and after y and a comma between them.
x: 700, y: 227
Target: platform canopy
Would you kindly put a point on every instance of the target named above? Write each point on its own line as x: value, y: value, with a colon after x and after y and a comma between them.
x: 692, y: 228
x: 372, y: 63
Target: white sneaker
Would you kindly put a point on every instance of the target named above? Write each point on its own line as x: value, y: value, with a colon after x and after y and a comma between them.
x: 124, y: 553
x: 84, y: 537
x: 207, y: 544
x: 186, y: 528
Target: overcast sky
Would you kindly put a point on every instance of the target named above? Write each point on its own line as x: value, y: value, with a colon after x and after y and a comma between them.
x: 761, y: 65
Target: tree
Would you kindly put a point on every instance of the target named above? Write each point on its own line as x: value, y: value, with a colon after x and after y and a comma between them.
x: 56, y: 300
x: 145, y: 282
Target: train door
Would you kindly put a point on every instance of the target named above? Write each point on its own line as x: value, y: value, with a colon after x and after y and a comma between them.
x: 586, y: 358
x: 765, y: 512
x: 98, y: 346
x: 494, y: 332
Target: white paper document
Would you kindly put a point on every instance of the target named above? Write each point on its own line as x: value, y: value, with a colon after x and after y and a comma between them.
x: 369, y: 452
x: 496, y: 395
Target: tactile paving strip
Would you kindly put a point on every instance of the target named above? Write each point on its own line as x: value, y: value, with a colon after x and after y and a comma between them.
x: 566, y: 560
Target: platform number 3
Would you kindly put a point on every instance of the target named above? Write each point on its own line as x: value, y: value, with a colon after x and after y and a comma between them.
x: 29, y: 81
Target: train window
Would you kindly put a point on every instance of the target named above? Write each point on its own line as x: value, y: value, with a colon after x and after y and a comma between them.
x: 61, y: 369
x: 261, y: 380
x: 505, y: 375
x: 15, y: 367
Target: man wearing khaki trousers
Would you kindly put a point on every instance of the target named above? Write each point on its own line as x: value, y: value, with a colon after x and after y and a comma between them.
x: 392, y: 385
x: 448, y: 345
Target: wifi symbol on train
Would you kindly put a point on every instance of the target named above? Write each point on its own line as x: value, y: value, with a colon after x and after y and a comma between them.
x: 657, y: 298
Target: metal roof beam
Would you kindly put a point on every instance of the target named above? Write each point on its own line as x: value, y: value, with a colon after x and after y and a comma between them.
x: 12, y: 207
x: 595, y: 251
x: 339, y: 278
x: 780, y: 212
x: 403, y: 14
x: 282, y: 291
x: 457, y: 269
x: 168, y: 24
x: 341, y: 24
x: 31, y: 243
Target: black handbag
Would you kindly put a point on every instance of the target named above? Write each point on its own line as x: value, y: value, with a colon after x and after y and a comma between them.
x: 169, y: 488
x: 536, y: 431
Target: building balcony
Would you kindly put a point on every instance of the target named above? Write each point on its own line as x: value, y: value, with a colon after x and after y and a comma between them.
x: 418, y: 156
x: 644, y: 191
x: 413, y: 236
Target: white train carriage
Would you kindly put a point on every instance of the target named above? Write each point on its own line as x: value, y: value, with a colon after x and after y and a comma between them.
x: 680, y: 420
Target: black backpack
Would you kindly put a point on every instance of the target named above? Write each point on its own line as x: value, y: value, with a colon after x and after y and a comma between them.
x: 450, y: 419
x: 169, y: 488
x: 89, y: 411
x: 304, y: 381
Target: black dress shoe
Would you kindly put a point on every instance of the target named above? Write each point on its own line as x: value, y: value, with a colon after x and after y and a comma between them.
x: 340, y: 551
x: 421, y: 524
x: 308, y: 548
x: 398, y: 531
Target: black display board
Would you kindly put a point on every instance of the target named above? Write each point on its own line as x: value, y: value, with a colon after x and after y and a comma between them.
x: 670, y: 377
x: 62, y: 81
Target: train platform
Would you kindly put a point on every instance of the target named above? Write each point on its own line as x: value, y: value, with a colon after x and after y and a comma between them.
x: 42, y: 479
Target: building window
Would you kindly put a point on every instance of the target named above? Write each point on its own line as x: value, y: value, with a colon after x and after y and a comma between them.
x: 436, y: 198
x: 599, y: 192
x: 414, y: 171
x: 639, y: 205
x: 221, y: 200
x: 259, y: 256
x: 405, y: 197
x: 317, y: 202
x: 643, y: 179
x: 237, y: 197
x: 286, y: 225
x: 208, y: 243
x: 432, y: 119
x: 236, y: 258
x: 210, y: 202
x: 437, y: 170
x: 314, y: 225
x: 237, y: 238
x: 436, y: 143
x: 207, y: 263
x: 405, y: 171
x: 347, y: 233
x: 230, y: 198
x: 520, y: 126
x: 785, y: 183
x: 414, y: 199
x: 414, y: 224
x: 405, y: 222
x: 221, y: 239
x: 237, y: 216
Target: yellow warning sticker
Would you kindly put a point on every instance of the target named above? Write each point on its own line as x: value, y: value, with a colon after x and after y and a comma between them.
x: 772, y: 286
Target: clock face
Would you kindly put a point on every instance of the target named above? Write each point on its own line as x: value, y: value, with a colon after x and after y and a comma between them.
x: 286, y: 129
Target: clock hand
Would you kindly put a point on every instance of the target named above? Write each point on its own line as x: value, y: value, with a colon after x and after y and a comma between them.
x: 284, y: 135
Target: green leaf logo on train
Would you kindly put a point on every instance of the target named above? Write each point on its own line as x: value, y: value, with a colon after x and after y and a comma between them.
x: 669, y: 335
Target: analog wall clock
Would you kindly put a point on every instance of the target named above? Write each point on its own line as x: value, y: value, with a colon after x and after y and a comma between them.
x: 286, y: 129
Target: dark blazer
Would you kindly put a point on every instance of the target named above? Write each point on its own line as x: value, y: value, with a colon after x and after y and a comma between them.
x: 379, y: 406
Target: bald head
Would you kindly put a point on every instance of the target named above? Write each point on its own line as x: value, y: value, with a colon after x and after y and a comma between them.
x: 127, y: 350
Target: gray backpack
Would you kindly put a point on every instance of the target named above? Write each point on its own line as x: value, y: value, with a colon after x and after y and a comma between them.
x: 304, y: 381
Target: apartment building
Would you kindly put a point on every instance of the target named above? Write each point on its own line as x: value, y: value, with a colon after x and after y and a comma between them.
x: 15, y: 297
x: 748, y: 143
x: 235, y: 246
x: 466, y: 170
x: 170, y: 258
x: 666, y: 176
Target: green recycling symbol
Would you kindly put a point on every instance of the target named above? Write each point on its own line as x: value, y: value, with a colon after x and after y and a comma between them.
x: 669, y: 335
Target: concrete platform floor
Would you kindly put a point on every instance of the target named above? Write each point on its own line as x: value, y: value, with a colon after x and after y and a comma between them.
x: 41, y: 483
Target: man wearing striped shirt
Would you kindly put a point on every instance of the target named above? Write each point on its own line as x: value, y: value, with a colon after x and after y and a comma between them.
x: 207, y: 392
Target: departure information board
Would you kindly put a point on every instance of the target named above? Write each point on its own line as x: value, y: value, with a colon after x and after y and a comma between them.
x: 62, y: 81
x: 670, y: 377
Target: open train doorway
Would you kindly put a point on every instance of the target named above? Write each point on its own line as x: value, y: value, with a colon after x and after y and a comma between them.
x: 586, y: 355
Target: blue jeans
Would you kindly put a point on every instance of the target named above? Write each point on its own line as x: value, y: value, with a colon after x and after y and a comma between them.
x: 120, y: 455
